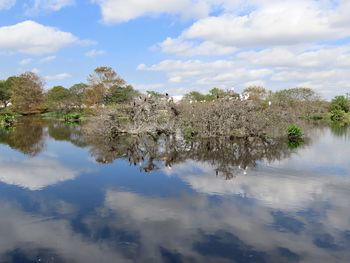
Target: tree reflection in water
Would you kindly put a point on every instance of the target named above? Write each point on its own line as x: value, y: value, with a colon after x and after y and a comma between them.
x: 229, y: 156
x: 27, y: 136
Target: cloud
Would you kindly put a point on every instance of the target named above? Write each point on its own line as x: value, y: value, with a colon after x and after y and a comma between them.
x: 205, y: 75
x: 39, y: 6
x: 26, y: 61
x: 324, y: 68
x: 95, y: 53
x: 277, y: 23
x: 59, y: 76
x: 34, y: 174
x: 30, y: 37
x: 37, y: 232
x: 47, y: 59
x: 7, y: 4
x: 118, y: 11
x: 187, y: 48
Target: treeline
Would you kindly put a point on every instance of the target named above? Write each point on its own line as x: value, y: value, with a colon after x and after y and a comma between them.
x: 122, y: 109
x: 25, y: 93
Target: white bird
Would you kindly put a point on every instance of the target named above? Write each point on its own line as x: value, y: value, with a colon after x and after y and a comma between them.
x: 270, y: 103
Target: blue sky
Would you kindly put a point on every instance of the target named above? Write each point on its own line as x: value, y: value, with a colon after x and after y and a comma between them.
x: 181, y: 45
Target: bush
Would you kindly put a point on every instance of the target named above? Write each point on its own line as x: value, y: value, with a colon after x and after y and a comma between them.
x: 340, y: 103
x: 7, y: 120
x: 294, y: 132
x: 72, y: 117
x: 337, y: 115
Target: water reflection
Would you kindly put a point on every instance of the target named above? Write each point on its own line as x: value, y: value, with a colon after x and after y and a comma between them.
x: 26, y: 136
x: 285, y: 205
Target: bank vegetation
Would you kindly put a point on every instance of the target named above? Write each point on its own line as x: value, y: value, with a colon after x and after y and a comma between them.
x: 110, y: 107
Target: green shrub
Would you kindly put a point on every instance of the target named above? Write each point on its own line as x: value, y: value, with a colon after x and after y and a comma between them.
x: 7, y: 120
x: 72, y: 117
x: 340, y: 103
x: 337, y: 115
x: 294, y: 132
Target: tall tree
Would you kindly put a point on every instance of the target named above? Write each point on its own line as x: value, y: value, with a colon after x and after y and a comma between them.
x: 27, y: 93
x: 78, y: 94
x: 121, y: 94
x: 6, y: 90
x: 59, y: 99
x: 100, y: 83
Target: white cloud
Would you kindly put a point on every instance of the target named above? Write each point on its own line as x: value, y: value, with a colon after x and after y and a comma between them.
x: 205, y: 75
x: 34, y: 174
x: 26, y: 61
x: 323, y: 68
x: 7, y: 4
x: 59, y: 76
x: 47, y: 59
x: 117, y: 11
x: 188, y: 48
x: 277, y: 23
x: 95, y: 53
x: 47, y: 6
x: 30, y: 37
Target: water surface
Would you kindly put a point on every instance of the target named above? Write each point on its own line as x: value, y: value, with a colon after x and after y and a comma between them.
x: 68, y: 198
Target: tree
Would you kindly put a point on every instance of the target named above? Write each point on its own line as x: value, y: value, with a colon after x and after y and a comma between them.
x: 215, y: 93
x: 121, y: 94
x: 95, y: 95
x: 78, y: 92
x: 195, y: 96
x: 5, y: 94
x: 27, y: 94
x: 100, y: 83
x: 59, y: 99
x: 340, y: 103
x: 6, y: 90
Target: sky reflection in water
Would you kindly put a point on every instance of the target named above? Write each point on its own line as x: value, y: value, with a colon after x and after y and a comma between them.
x: 65, y: 198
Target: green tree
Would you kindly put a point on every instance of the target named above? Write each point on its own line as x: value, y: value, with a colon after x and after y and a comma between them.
x: 59, y: 99
x: 215, y: 93
x: 6, y: 90
x: 119, y: 94
x: 340, y: 103
x: 195, y: 96
x: 27, y: 94
x: 78, y: 92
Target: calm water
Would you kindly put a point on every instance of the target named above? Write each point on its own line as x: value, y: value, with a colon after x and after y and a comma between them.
x: 68, y: 198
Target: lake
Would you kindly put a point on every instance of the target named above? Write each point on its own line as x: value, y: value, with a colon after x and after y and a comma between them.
x: 65, y: 197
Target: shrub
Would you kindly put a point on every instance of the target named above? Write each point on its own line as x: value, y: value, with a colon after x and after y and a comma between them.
x: 337, y: 115
x: 7, y: 120
x: 340, y: 103
x: 294, y: 132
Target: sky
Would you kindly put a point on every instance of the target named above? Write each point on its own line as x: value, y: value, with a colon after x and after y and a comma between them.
x: 180, y: 45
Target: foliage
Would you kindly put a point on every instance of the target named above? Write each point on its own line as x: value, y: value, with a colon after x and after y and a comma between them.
x: 77, y: 93
x: 294, y: 95
x: 340, y: 103
x: 294, y: 132
x: 7, y: 120
x: 59, y: 99
x: 27, y: 94
x: 103, y: 82
x: 5, y: 91
x: 155, y: 94
x: 214, y: 94
x: 337, y: 115
x: 119, y: 94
